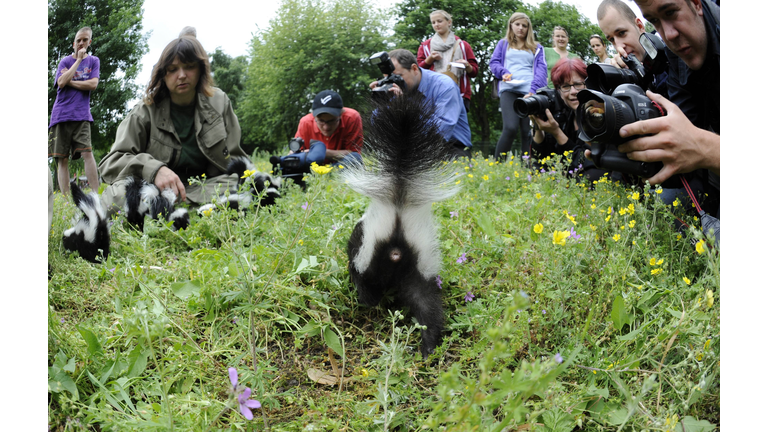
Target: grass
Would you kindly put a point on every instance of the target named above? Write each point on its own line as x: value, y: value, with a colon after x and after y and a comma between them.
x: 616, y: 327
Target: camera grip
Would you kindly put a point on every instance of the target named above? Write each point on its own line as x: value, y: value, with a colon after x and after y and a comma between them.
x: 614, y: 160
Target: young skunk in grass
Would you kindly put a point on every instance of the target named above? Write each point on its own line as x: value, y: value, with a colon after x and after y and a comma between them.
x: 256, y: 183
x: 90, y: 235
x: 394, y: 247
x: 142, y: 199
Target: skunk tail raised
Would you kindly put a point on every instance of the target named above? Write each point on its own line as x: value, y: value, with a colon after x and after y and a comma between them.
x: 90, y: 235
x: 394, y: 246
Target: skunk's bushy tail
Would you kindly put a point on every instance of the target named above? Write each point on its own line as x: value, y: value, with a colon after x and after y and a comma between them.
x: 404, y: 155
x: 90, y: 235
x: 142, y: 199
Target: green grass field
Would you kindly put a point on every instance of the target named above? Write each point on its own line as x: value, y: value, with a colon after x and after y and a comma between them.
x: 566, y: 309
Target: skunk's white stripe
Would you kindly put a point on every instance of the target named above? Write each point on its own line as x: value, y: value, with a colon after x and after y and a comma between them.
x: 169, y: 195
x: 420, y: 232
x: 379, y: 224
x: 178, y: 213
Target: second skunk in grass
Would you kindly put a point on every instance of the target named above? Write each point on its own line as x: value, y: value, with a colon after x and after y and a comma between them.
x: 394, y: 247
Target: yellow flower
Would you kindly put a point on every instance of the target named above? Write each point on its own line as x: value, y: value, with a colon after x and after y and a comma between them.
x: 321, y: 170
x: 610, y: 210
x: 538, y: 196
x: 248, y: 173
x: 631, y: 209
x: 679, y: 236
x: 593, y: 206
x: 676, y: 202
x: 341, y: 166
x: 686, y: 280
x: 558, y: 237
x: 616, y: 237
x: 485, y: 177
x: 592, y: 227
x: 202, y: 175
x: 516, y: 174
x: 458, y: 181
x: 659, y: 190
x: 710, y: 298
x: 538, y: 228
x: 364, y: 372
x: 660, y: 261
x: 470, y: 175
x: 632, y: 223
x: 608, y: 218
x: 706, y: 344
x: 700, y: 246
x: 636, y: 196
x: 657, y: 271
x: 208, y: 212
x: 301, y: 242
x: 622, y: 211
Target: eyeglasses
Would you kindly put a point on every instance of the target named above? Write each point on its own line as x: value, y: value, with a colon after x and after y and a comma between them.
x: 577, y: 85
x: 326, y: 122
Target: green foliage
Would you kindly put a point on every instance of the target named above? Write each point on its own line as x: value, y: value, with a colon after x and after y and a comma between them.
x: 310, y: 46
x: 118, y: 43
x: 229, y: 74
x: 143, y: 341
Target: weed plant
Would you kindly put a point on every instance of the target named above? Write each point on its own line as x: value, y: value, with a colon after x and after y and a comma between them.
x: 569, y: 307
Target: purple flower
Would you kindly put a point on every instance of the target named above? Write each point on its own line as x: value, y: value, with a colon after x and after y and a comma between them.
x: 462, y: 259
x: 469, y: 296
x: 243, y: 396
x: 112, y: 269
x: 526, y: 157
x: 529, y: 177
x: 62, y: 320
x: 439, y: 282
x: 558, y: 358
x: 574, y: 235
x: 544, y: 311
x: 304, y: 206
x: 234, y: 320
x: 454, y: 214
x: 507, y: 177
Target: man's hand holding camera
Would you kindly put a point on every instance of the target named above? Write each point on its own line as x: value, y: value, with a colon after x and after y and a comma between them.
x: 673, y: 140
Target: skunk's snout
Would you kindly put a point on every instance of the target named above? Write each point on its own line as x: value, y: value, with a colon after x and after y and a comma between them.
x: 395, y: 255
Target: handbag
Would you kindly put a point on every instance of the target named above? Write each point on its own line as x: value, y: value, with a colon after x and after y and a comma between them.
x: 448, y: 72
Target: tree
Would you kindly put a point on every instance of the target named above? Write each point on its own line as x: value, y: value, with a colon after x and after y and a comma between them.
x: 229, y: 74
x: 482, y: 24
x: 310, y: 46
x: 119, y: 45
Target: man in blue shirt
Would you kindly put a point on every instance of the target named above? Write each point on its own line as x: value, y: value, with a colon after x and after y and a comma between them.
x: 440, y: 89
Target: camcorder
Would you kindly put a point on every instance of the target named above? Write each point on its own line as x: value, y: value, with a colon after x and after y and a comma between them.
x: 616, y: 97
x: 545, y: 98
x: 387, y: 68
x: 294, y: 166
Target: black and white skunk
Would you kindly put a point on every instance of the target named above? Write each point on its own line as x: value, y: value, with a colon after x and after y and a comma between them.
x: 394, y: 247
x: 90, y: 235
x: 144, y: 199
x: 256, y: 183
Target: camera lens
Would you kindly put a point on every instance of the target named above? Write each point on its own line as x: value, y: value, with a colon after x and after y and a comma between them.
x: 594, y: 117
x: 531, y: 105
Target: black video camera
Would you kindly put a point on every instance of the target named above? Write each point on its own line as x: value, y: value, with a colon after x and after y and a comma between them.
x: 294, y: 166
x: 600, y: 117
x: 387, y: 68
x: 605, y: 78
x: 545, y: 98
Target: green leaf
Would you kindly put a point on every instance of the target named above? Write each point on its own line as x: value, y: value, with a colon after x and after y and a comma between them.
x: 332, y: 340
x: 557, y: 420
x: 94, y: 347
x: 594, y: 391
x: 693, y: 425
x: 137, y: 361
x: 184, y: 290
x: 62, y: 381
x: 619, y: 314
x: 484, y: 222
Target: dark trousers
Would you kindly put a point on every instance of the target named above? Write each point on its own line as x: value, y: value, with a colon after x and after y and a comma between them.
x: 512, y: 123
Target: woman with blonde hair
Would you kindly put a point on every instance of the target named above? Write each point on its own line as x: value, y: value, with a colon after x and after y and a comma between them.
x: 443, y: 48
x: 519, y: 66
x: 558, y: 51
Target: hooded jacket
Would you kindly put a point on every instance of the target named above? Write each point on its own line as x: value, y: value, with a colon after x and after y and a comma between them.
x: 539, y: 65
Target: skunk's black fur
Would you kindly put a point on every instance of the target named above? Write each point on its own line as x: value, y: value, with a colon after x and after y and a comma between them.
x: 258, y: 182
x: 394, y: 246
x: 142, y: 199
x: 90, y: 235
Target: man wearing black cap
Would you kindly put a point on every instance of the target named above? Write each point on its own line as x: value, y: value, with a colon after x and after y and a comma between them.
x: 341, y: 129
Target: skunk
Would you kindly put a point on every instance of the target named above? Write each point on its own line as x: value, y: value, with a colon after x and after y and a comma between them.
x: 256, y: 181
x: 90, y: 235
x: 394, y: 246
x: 142, y: 199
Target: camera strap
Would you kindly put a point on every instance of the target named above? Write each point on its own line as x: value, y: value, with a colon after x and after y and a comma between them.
x: 708, y: 223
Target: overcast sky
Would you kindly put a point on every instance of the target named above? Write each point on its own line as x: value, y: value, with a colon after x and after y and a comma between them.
x: 232, y: 23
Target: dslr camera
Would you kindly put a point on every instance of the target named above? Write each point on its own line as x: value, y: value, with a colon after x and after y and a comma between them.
x: 616, y: 97
x: 545, y: 98
x: 385, y: 65
x: 294, y: 166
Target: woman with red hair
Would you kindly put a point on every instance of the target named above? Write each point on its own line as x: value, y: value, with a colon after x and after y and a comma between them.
x: 562, y: 134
